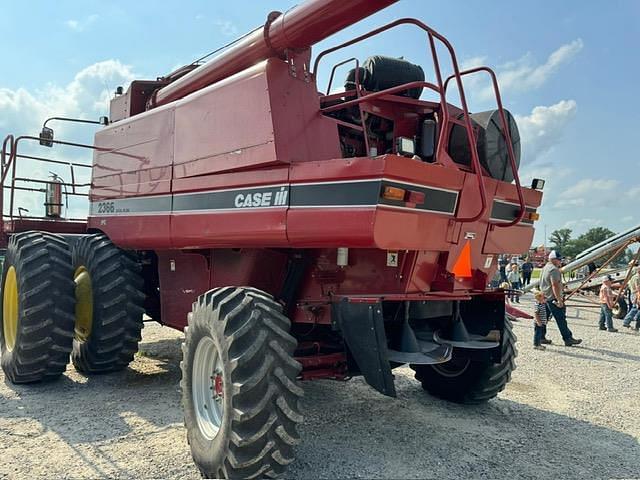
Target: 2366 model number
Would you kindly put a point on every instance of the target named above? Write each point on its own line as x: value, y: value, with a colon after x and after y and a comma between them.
x: 106, y: 207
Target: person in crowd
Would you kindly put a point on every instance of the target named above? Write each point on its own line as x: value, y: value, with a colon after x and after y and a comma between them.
x: 634, y: 311
x: 540, y: 316
x: 495, y: 281
x: 527, y: 270
x: 503, y: 262
x: 606, y: 305
x: 552, y: 288
x: 513, y: 277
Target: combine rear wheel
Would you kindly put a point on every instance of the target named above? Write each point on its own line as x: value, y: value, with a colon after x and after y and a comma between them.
x: 109, y: 300
x: 462, y: 380
x: 37, y: 307
x: 239, y: 388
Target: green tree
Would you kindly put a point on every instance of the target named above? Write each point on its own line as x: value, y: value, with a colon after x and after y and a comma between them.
x: 588, y: 239
x: 560, y: 238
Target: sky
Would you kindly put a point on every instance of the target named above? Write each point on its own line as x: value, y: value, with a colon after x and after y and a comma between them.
x: 567, y: 70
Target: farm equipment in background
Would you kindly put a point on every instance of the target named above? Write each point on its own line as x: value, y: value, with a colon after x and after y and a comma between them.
x: 538, y: 256
x: 293, y: 235
x: 591, y: 275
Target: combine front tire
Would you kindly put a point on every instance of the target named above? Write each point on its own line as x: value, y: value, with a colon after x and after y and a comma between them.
x: 239, y: 386
x: 109, y: 309
x: 462, y: 380
x: 37, y: 307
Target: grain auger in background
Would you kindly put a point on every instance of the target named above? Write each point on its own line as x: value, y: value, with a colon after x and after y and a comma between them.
x: 293, y: 235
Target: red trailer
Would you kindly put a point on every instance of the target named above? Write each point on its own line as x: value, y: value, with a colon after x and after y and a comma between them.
x: 292, y: 235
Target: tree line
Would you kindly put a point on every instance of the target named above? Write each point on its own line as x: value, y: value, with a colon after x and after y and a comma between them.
x: 563, y: 241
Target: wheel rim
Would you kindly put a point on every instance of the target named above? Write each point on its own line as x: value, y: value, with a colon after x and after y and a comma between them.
x: 452, y: 368
x: 207, y: 388
x: 10, y: 309
x: 84, y: 304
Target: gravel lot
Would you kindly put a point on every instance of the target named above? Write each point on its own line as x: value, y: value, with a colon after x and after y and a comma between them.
x: 568, y: 413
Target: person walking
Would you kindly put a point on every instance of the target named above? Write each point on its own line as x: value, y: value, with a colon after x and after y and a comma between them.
x: 634, y: 311
x: 513, y: 277
x: 552, y: 288
x: 527, y: 270
x: 541, y: 316
x: 606, y: 305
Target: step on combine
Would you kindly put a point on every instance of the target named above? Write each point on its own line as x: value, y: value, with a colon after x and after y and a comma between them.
x: 292, y: 235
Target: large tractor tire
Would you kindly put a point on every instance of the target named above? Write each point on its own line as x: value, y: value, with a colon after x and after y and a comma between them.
x: 109, y: 305
x: 239, y: 388
x: 37, y: 307
x: 462, y: 380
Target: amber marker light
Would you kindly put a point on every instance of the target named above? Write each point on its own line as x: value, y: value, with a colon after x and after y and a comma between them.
x: 393, y: 193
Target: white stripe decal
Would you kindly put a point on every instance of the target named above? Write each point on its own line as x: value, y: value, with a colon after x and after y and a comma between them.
x: 336, y: 194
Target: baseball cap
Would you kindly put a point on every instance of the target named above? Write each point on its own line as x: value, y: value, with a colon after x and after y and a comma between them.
x: 555, y: 255
x: 608, y: 277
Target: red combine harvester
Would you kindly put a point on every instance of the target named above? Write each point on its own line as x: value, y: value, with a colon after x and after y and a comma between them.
x: 292, y: 235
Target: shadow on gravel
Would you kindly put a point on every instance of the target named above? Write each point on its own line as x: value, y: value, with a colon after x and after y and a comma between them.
x: 101, y: 408
x: 575, y: 353
x: 350, y: 431
x: 611, y: 353
x: 418, y: 436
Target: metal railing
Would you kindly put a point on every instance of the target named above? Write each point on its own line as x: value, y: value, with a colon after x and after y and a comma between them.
x: 10, y: 180
x: 441, y: 89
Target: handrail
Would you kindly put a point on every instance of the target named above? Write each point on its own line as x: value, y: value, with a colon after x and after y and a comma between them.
x: 8, y: 160
x: 440, y: 89
x: 357, y: 74
x: 379, y: 93
x: 9, y: 138
x: 507, y: 135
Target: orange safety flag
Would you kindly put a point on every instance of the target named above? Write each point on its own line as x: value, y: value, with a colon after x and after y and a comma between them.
x: 462, y: 267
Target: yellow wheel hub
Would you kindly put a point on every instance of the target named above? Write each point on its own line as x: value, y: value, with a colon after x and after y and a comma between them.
x: 84, y: 304
x: 10, y: 309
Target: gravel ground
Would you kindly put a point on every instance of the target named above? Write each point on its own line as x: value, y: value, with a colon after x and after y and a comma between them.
x: 568, y: 413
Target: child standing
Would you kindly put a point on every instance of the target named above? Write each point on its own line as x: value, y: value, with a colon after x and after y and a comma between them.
x: 541, y: 316
x: 606, y: 305
x: 513, y: 277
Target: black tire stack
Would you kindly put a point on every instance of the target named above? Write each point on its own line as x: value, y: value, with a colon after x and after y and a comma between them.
x: 44, y: 265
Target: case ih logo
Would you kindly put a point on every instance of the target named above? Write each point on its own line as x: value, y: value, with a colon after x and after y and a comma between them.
x: 262, y: 199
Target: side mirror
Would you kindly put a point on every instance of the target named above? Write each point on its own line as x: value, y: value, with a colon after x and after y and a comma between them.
x: 46, y: 137
x: 103, y: 121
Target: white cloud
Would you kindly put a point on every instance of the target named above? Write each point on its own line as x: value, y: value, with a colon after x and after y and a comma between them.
x: 543, y: 128
x: 588, y: 192
x: 589, y: 186
x: 634, y: 192
x: 81, y: 25
x: 226, y: 27
x: 519, y: 75
x: 523, y: 74
x: 583, y: 223
x: 85, y: 96
x: 473, y: 62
